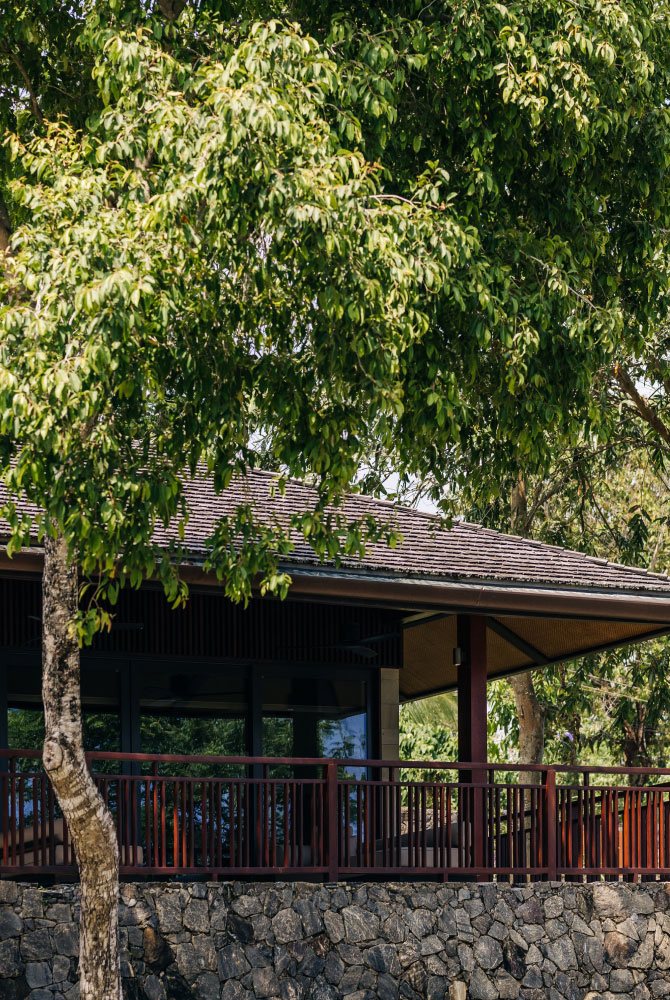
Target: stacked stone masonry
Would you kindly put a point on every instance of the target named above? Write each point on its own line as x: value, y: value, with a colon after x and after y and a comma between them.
x: 289, y: 941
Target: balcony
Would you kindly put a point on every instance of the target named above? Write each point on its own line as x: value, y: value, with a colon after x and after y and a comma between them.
x: 323, y: 819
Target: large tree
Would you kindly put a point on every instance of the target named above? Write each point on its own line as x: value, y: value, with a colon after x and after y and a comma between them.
x: 228, y: 241
x: 204, y: 262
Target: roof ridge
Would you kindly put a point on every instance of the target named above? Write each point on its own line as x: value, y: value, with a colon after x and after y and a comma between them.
x: 367, y: 497
x: 641, y: 569
x: 600, y: 560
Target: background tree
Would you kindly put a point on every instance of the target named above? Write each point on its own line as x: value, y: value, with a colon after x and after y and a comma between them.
x: 611, y: 708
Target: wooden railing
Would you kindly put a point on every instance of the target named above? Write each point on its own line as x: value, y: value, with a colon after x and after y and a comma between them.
x: 333, y: 819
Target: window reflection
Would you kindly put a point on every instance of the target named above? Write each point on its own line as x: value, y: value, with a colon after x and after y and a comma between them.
x: 315, y: 717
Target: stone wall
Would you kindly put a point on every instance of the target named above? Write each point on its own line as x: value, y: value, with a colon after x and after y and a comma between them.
x: 235, y: 941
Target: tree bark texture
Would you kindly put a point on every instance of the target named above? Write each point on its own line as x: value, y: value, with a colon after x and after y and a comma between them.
x: 89, y: 822
x: 5, y: 227
x: 530, y: 713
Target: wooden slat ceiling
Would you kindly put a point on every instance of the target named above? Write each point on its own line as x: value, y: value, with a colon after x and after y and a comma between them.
x: 428, y: 663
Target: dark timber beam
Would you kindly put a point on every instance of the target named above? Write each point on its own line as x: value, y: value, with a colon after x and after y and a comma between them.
x: 4, y: 716
x: 515, y: 640
x: 472, y: 715
x: 129, y: 697
x: 472, y: 725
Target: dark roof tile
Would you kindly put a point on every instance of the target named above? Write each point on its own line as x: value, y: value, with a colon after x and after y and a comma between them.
x: 463, y: 552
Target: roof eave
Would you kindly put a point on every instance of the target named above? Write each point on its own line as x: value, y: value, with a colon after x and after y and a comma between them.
x: 431, y: 593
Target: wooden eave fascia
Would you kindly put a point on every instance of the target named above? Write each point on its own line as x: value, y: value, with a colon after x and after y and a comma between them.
x: 431, y: 593
x: 486, y: 598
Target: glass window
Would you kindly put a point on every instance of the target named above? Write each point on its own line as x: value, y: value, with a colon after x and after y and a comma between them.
x: 203, y: 712
x: 307, y: 716
x: 100, y: 710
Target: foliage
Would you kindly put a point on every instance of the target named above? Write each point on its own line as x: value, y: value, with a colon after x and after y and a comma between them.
x: 526, y: 103
x: 612, y: 708
x: 378, y: 229
x: 425, y: 741
x: 115, y: 376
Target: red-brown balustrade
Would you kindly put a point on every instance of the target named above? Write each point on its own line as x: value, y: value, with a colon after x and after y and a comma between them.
x: 258, y: 816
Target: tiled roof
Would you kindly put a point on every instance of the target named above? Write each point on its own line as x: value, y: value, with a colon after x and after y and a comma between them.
x: 463, y: 552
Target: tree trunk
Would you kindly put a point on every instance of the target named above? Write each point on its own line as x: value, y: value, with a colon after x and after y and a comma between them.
x: 531, y: 723
x: 89, y: 822
x: 529, y: 712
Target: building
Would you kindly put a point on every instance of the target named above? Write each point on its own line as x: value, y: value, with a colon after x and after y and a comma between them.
x: 300, y: 700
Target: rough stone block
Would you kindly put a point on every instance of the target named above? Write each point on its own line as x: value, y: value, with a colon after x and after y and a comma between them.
x: 169, y: 913
x: 153, y: 988
x: 66, y: 939
x: 14, y: 989
x: 246, y: 906
x: 387, y: 987
x: 61, y: 968
x: 619, y: 949
x: 359, y: 924
x: 287, y: 926
x: 611, y: 900
x: 196, y: 916
x: 334, y: 926
x: 36, y: 946
x: 32, y: 904
x: 10, y: 959
x: 383, y: 958
x: 312, y: 922
x: 11, y: 923
x: 621, y: 981
x: 9, y: 892
x: 420, y: 922
x: 232, y: 962
x: 488, y: 953
x: 265, y: 983
x: 562, y: 953
x: 207, y: 986
x: 481, y: 987
x: 235, y: 991
x: 38, y: 974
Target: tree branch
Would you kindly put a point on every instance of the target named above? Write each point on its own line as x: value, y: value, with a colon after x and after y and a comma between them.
x: 657, y: 547
x: 5, y: 227
x: 647, y: 412
x: 29, y: 87
x: 660, y: 372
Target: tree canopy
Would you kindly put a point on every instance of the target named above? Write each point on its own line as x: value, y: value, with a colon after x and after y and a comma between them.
x: 369, y: 230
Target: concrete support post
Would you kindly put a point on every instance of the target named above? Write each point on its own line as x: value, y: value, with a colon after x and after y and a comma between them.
x: 389, y: 710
